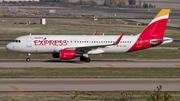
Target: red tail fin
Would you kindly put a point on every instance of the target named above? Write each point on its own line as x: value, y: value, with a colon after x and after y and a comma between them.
x: 157, y: 26
x: 153, y: 34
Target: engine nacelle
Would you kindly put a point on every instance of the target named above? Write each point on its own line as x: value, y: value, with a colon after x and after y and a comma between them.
x: 65, y: 54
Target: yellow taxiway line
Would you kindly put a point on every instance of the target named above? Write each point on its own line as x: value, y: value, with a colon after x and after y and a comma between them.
x: 14, y: 88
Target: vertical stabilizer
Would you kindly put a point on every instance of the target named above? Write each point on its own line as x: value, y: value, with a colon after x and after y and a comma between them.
x: 153, y: 34
x: 156, y: 28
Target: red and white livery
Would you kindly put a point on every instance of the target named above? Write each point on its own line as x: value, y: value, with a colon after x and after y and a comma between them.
x: 68, y: 47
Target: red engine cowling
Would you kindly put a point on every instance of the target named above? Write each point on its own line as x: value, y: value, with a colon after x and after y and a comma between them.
x: 67, y: 54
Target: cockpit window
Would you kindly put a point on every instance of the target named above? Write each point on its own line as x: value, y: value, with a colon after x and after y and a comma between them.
x: 16, y: 41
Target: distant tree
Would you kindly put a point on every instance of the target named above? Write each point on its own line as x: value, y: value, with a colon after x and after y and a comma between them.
x: 132, y: 2
x: 113, y: 3
x: 110, y: 3
x: 145, y: 5
x: 140, y: 3
x: 154, y: 6
x: 4, y: 1
x: 150, y: 5
x: 63, y: 1
x: 92, y: 2
x: 80, y: 2
x: 107, y: 3
x: 122, y: 3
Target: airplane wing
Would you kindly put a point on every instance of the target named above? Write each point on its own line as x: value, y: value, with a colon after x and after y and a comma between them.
x: 88, y: 47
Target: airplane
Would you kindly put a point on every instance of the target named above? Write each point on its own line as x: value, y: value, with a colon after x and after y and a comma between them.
x: 66, y: 47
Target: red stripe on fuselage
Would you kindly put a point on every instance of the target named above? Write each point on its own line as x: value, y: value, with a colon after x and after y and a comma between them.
x: 153, y: 31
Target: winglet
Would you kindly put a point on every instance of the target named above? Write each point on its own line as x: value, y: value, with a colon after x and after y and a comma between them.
x: 96, y: 32
x: 119, y: 39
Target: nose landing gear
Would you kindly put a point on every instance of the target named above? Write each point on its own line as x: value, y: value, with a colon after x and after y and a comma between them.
x: 28, y: 57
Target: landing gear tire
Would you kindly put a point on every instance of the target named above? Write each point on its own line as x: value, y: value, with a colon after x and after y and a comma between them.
x: 87, y: 59
x: 28, y: 59
x: 82, y: 58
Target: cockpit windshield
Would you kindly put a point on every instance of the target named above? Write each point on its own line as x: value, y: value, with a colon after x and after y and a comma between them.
x: 16, y: 41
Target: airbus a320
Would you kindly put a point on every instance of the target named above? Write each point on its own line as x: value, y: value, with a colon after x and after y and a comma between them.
x: 66, y: 47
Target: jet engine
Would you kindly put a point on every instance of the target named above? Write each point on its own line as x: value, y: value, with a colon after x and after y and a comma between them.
x: 65, y: 54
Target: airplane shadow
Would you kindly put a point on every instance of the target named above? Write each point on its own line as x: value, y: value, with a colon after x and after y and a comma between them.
x: 70, y: 61
x: 81, y: 62
x: 64, y: 61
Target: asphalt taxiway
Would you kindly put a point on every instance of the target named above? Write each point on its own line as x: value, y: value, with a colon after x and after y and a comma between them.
x: 75, y: 84
x: 88, y: 84
x: 94, y: 63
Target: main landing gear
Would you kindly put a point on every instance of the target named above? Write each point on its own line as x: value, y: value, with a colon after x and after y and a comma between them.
x: 28, y: 57
x: 86, y: 59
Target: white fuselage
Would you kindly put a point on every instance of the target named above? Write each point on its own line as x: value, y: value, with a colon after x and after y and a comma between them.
x: 54, y: 43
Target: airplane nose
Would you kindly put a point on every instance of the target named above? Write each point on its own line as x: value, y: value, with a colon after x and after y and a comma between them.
x: 9, y: 46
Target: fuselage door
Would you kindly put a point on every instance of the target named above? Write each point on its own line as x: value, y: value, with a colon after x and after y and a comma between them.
x: 28, y: 42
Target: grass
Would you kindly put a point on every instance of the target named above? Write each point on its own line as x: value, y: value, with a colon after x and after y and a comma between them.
x: 9, y: 30
x: 81, y: 96
x: 93, y: 72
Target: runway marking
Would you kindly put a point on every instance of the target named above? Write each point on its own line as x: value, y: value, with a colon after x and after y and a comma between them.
x: 177, y: 65
x: 111, y: 66
x: 14, y: 88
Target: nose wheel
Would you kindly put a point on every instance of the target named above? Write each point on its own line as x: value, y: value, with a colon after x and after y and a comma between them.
x: 28, y: 57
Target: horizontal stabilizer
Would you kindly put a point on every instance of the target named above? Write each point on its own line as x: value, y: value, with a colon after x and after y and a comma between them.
x: 155, y: 42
